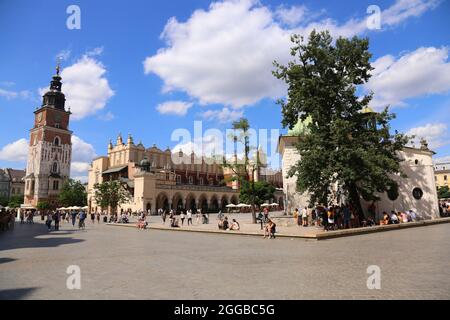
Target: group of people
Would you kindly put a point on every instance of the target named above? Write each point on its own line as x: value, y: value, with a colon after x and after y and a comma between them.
x: 176, y: 221
x: 224, y: 224
x: 444, y: 209
x: 7, y: 218
x: 331, y: 217
x: 398, y: 217
x: 346, y: 217
x: 57, y: 217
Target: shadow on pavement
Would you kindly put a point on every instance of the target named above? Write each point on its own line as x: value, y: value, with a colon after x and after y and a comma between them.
x: 6, y: 260
x: 15, y: 294
x: 26, y: 236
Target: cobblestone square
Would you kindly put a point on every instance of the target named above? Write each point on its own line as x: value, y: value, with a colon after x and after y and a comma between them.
x: 125, y: 263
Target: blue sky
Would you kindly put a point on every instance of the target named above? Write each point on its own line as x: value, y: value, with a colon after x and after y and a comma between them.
x: 150, y: 67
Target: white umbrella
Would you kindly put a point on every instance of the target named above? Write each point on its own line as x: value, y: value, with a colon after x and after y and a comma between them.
x: 265, y: 205
x: 85, y: 207
x: 242, y: 205
x: 231, y: 205
x: 275, y: 204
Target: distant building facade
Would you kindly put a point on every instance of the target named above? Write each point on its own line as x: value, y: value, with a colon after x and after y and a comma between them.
x: 4, y: 184
x: 160, y: 179
x: 17, y: 183
x: 50, y: 148
x: 442, y: 174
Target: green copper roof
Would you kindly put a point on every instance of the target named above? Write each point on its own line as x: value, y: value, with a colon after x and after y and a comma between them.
x: 301, y: 127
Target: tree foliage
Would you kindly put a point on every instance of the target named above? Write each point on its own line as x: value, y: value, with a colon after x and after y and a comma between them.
x: 111, y: 194
x: 344, y: 146
x: 15, y: 201
x: 443, y: 192
x: 257, y: 192
x: 3, y: 201
x: 43, y: 205
x: 73, y: 193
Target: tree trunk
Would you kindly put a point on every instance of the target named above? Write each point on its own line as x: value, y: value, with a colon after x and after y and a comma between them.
x: 253, y: 213
x: 355, y: 200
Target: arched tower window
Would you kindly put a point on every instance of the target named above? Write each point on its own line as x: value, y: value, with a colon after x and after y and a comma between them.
x: 55, y: 167
x: 56, y: 141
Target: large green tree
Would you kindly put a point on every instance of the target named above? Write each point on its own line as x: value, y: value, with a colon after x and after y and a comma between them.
x: 111, y: 194
x: 346, y: 145
x: 73, y: 193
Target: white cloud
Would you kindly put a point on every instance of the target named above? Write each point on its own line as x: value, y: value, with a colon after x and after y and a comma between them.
x: 436, y: 135
x: 223, y: 116
x: 443, y: 159
x: 7, y: 83
x: 95, y: 52
x: 8, y: 94
x: 178, y: 108
x: 82, y: 155
x: 224, y: 55
x: 291, y: 16
x: 16, y: 151
x: 85, y: 86
x: 82, y: 151
x: 63, y: 54
x: 204, y: 146
x: 421, y: 72
x: 404, y: 9
x: 79, y: 167
x: 107, y: 116
x: 82, y: 179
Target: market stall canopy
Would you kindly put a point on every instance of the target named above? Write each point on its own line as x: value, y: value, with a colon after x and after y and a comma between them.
x: 243, y: 205
x: 231, y: 205
x: 265, y: 205
x: 275, y: 204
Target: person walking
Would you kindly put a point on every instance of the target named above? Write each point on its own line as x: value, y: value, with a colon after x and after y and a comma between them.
x: 93, y: 217
x: 163, y: 216
x: 98, y: 217
x: 22, y: 217
x: 81, y: 218
x: 73, y: 215
x: 189, y: 217
x: 57, y: 218
x: 305, y: 217
x: 48, y: 222
x: 182, y: 217
x: 197, y: 216
x: 298, y: 216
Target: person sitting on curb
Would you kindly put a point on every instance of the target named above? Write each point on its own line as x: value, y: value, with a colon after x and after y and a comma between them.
x: 269, y: 230
x: 235, y: 225
x: 394, y: 218
x: 142, y: 223
x: 225, y: 224
x: 385, y: 221
x: 176, y: 223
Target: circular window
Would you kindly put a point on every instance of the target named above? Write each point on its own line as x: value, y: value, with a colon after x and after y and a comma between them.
x: 417, y: 193
x: 392, y: 192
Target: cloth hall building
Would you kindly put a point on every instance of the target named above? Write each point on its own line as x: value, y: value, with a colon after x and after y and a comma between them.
x: 160, y: 179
